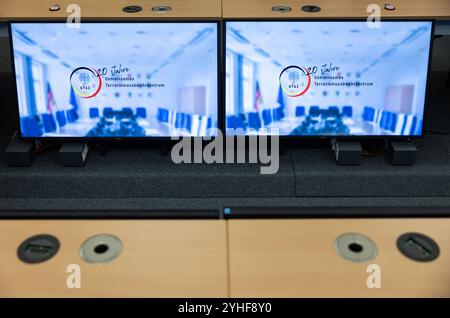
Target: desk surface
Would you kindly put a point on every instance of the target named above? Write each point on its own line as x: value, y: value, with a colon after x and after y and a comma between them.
x: 436, y: 9
x: 238, y: 258
x: 98, y: 9
x: 296, y: 258
x: 159, y: 259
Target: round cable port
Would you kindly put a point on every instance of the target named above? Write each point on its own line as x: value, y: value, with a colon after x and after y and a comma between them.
x: 355, y: 247
x: 162, y: 9
x: 281, y: 9
x: 101, y: 248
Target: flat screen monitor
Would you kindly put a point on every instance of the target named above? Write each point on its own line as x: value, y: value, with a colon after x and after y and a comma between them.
x: 326, y: 78
x: 116, y: 80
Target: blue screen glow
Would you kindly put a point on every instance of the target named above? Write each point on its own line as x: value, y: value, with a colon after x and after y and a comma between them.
x: 116, y: 80
x: 317, y: 78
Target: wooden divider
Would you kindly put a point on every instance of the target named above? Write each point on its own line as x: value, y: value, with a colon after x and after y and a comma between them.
x: 297, y: 258
x: 109, y: 10
x: 159, y: 259
x: 106, y: 9
x: 435, y: 9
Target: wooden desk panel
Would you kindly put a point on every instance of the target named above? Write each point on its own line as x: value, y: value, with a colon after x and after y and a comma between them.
x: 437, y: 9
x: 107, y: 9
x: 159, y: 259
x: 296, y: 258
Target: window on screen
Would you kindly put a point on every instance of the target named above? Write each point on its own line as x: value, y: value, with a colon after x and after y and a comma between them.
x: 248, y: 85
x: 19, y: 61
x: 39, y: 86
x: 229, y: 80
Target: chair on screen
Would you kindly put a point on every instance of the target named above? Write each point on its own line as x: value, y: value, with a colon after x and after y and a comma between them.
x: 400, y: 125
x: 141, y: 112
x: 188, y: 122
x: 61, y: 118
x: 392, y: 122
x: 69, y: 114
x: 278, y: 114
x: 368, y: 113
x: 412, y: 130
x: 179, y: 120
x: 94, y: 112
x: 127, y: 112
x: 234, y: 122
x: 384, y: 119
x: 266, y: 116
x: 33, y: 126
x: 183, y: 121
x: 49, y: 123
x: 108, y: 112
x: 72, y: 115
x: 23, y: 126
x: 388, y: 121
x: 254, y: 121
x: 333, y: 111
x: 314, y: 111
x: 299, y: 111
x: 347, y: 111
x: 408, y: 125
x: 419, y: 128
x: 162, y: 115
x: 211, y: 123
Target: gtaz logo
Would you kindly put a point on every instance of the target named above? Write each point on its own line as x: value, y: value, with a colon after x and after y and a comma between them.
x: 295, y: 81
x: 86, y: 82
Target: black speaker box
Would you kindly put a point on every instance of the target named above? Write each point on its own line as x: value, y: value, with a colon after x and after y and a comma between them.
x: 348, y: 152
x: 19, y: 153
x: 73, y: 154
x: 402, y: 152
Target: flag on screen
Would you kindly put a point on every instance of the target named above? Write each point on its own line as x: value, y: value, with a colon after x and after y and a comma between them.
x: 50, y: 99
x: 258, y: 97
x: 280, y: 99
x: 73, y: 98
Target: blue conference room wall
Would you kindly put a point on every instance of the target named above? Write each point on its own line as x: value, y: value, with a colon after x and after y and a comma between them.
x: 181, y: 57
x: 394, y: 58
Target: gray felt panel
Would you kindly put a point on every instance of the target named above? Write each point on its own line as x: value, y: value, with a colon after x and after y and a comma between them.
x: 129, y: 173
x: 318, y: 176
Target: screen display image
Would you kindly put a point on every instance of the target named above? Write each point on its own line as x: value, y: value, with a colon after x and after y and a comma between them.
x: 116, y: 80
x: 332, y: 78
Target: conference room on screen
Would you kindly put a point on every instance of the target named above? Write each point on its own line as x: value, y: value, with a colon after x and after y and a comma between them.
x: 116, y: 79
x: 317, y: 78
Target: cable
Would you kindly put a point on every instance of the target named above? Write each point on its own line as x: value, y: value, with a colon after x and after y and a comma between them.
x: 41, y: 148
x: 373, y: 149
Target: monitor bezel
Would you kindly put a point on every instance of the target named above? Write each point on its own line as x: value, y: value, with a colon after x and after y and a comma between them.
x: 290, y: 138
x: 219, y: 119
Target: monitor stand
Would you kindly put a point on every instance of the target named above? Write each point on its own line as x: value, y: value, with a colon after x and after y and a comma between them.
x: 347, y: 152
